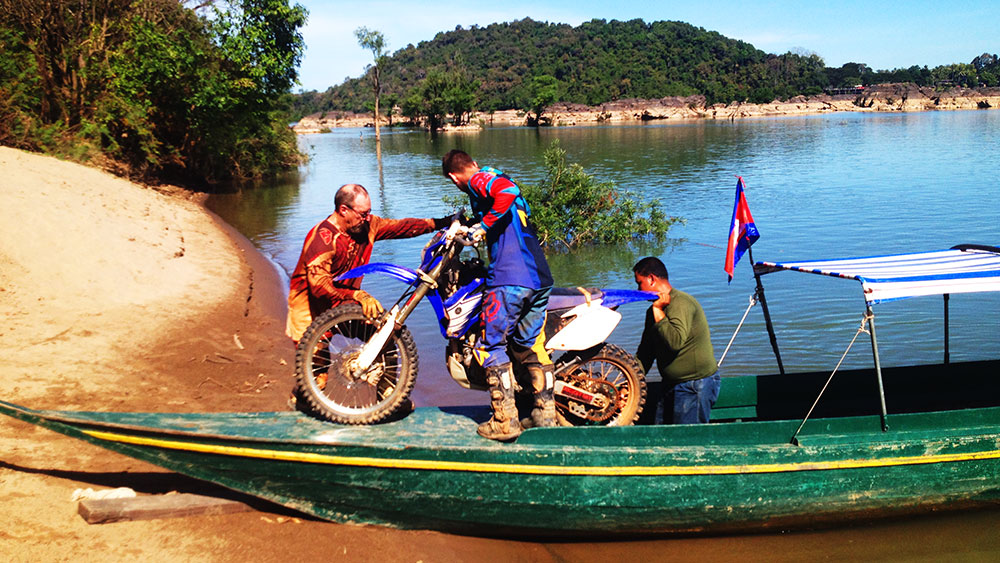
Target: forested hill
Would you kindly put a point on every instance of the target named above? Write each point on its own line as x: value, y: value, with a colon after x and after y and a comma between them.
x: 593, y: 63
x: 498, y: 67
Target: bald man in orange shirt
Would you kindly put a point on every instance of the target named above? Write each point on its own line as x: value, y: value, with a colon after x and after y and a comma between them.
x: 338, y: 243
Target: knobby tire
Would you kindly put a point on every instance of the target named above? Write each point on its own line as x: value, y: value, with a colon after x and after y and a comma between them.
x: 330, y: 339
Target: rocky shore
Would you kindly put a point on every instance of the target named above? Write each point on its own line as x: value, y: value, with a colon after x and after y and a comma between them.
x: 879, y: 98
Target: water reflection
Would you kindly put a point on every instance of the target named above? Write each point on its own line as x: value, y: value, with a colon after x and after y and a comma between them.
x: 382, y: 197
x: 259, y: 212
x: 604, y: 266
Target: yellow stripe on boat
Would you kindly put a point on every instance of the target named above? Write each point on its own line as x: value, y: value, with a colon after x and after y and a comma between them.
x: 424, y: 464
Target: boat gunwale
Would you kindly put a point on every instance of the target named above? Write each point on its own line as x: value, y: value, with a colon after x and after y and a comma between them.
x: 442, y: 458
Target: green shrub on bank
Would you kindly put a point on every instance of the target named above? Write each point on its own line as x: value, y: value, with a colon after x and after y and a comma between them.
x: 570, y: 208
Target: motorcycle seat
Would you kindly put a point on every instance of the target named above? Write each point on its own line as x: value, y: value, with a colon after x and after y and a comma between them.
x: 569, y: 297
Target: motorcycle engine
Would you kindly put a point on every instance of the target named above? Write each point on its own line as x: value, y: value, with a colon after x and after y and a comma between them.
x: 463, y: 274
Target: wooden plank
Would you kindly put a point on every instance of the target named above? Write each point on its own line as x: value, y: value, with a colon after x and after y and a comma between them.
x: 103, y: 511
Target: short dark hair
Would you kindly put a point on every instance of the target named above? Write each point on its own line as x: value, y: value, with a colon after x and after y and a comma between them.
x: 651, y: 266
x: 455, y: 161
x: 347, y: 194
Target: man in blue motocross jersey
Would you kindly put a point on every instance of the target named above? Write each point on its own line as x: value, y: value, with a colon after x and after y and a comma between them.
x: 518, y: 283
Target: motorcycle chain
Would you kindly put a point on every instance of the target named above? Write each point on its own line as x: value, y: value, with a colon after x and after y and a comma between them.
x: 593, y: 385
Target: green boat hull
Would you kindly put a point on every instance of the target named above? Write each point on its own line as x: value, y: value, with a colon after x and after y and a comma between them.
x: 431, y: 471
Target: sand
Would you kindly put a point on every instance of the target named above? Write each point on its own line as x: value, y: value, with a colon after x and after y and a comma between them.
x: 120, y: 297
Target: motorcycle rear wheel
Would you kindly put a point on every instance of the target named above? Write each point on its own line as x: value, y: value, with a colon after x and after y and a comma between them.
x: 325, y: 382
x: 612, y: 365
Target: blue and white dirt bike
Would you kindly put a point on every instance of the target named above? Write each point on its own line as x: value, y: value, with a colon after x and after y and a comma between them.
x: 359, y: 370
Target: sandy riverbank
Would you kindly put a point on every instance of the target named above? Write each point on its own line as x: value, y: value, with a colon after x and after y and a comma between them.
x: 880, y: 98
x: 116, y: 296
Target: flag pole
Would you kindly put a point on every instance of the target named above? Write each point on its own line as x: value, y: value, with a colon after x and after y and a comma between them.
x: 767, y: 314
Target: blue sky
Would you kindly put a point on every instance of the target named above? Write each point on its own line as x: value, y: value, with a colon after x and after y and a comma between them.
x: 884, y: 35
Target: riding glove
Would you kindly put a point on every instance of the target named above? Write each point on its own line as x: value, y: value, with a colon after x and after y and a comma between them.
x: 369, y: 305
x: 478, y: 233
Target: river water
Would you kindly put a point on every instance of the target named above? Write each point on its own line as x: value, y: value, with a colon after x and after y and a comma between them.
x: 826, y: 186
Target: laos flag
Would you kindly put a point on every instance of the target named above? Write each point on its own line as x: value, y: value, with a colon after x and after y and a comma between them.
x: 742, y: 230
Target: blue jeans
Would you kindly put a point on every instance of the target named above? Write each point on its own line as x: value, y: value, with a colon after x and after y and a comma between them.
x: 513, y: 315
x: 693, y: 400
x: 689, y: 402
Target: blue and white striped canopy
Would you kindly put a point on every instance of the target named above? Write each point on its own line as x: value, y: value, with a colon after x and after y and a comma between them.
x: 962, y: 269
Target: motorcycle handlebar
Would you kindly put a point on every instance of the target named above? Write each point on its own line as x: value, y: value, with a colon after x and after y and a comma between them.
x: 459, y: 233
x: 464, y: 240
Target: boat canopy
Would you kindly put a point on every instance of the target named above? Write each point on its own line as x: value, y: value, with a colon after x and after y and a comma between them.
x: 962, y: 269
x: 966, y: 268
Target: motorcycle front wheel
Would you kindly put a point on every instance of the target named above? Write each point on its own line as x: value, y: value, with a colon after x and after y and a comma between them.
x: 326, y: 382
x: 608, y: 370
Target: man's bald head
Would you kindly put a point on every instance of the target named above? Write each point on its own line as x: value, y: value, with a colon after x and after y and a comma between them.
x: 348, y: 194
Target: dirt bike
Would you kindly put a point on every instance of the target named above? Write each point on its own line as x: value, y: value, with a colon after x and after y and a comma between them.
x: 359, y: 370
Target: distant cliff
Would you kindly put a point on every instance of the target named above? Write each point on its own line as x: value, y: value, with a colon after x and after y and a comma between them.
x: 878, y: 98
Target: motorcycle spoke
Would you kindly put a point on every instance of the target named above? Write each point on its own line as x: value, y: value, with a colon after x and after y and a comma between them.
x: 340, y: 341
x: 608, y: 372
x: 388, y: 362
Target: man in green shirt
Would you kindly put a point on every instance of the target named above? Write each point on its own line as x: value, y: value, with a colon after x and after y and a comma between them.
x: 676, y: 336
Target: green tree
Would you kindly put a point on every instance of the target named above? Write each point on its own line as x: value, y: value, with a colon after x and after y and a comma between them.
x: 570, y: 208
x: 374, y: 41
x: 435, y: 106
x: 544, y: 91
x: 762, y: 95
x: 157, y: 90
x: 259, y: 49
x: 68, y: 46
x: 593, y: 63
x: 391, y: 101
x: 601, y: 61
x: 960, y: 74
x: 412, y: 106
x: 460, y: 96
x: 438, y: 95
x: 20, y: 93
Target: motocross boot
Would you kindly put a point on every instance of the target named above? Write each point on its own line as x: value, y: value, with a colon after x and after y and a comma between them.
x: 504, y: 424
x: 543, y: 384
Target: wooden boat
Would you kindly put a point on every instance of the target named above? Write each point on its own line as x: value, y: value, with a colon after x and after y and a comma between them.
x: 878, y: 442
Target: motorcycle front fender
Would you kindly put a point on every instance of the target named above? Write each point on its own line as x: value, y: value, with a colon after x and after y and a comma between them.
x: 400, y: 273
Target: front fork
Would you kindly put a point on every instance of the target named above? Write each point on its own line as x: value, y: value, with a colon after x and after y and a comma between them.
x: 360, y: 364
x: 396, y: 317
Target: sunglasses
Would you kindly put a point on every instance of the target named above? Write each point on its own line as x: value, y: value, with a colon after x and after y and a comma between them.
x: 364, y: 215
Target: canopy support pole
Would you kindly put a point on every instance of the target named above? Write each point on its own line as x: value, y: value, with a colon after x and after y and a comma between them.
x: 870, y: 316
x: 795, y: 436
x: 947, y: 354
x: 753, y: 301
x: 767, y: 315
